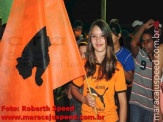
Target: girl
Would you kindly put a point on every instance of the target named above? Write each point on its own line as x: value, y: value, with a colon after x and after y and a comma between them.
x: 105, y: 77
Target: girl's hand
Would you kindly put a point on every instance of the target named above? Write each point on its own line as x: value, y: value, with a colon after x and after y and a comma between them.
x: 90, y: 100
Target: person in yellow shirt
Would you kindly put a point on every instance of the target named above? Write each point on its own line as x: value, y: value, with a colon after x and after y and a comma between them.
x: 105, y: 76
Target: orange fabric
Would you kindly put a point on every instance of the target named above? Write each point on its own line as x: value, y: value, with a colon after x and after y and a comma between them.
x: 105, y: 103
x: 27, y: 17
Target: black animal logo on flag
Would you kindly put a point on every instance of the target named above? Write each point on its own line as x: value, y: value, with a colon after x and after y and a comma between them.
x: 35, y: 54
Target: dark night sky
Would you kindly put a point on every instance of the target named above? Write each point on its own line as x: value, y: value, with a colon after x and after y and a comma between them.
x: 125, y: 10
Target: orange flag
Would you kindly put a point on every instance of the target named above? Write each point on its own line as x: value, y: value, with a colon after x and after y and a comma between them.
x: 32, y: 64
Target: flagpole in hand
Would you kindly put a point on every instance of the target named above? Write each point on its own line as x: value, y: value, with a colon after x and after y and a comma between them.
x: 91, y: 94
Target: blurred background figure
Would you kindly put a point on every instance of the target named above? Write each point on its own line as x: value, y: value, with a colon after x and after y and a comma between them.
x: 77, y: 26
x: 62, y: 96
x: 137, y: 24
x: 83, y: 47
x: 125, y: 39
x: 125, y: 57
x: 114, y: 20
x: 73, y: 101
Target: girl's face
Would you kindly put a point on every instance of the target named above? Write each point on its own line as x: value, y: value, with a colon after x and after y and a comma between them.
x: 98, y: 40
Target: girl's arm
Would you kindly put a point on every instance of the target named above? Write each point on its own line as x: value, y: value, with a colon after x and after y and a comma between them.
x: 123, y: 106
x: 89, y: 100
x: 129, y: 75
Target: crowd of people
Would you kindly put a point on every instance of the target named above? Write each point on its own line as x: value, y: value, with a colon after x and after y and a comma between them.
x: 118, y: 66
x: 118, y: 84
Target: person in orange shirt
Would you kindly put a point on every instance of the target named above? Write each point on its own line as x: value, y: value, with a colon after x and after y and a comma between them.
x: 105, y: 76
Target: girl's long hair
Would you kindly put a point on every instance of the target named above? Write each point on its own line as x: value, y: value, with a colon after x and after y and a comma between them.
x: 108, y: 65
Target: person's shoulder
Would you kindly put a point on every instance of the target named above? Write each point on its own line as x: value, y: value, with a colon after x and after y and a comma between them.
x: 142, y: 53
x: 118, y: 65
x: 119, y: 68
x: 125, y: 50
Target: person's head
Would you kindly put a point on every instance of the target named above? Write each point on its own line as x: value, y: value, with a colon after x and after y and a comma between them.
x: 136, y: 25
x: 99, y: 37
x: 77, y: 27
x: 116, y: 32
x: 83, y: 47
x: 125, y: 39
x: 147, y: 41
x: 100, y: 43
x: 114, y: 20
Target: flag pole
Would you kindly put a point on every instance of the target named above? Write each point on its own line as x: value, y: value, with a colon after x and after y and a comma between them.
x: 90, y: 93
x: 103, y: 10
